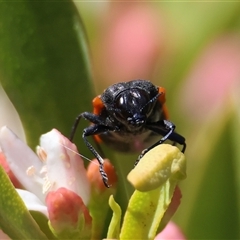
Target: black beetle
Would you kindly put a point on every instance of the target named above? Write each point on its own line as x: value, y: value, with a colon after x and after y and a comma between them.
x: 129, y: 117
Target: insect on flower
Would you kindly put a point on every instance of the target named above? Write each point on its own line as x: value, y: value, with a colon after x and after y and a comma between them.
x: 129, y: 117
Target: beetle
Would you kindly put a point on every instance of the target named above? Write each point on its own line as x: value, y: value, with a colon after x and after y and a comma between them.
x: 129, y: 117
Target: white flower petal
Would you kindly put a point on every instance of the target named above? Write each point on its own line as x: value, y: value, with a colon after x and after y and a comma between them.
x: 22, y: 161
x: 32, y: 202
x: 64, y: 166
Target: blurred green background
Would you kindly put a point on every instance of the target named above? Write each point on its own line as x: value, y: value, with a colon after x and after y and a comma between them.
x: 192, y: 49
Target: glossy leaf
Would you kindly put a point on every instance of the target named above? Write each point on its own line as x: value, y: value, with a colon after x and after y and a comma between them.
x: 15, y: 219
x: 44, y: 65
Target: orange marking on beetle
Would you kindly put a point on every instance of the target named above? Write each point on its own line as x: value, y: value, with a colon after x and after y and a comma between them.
x: 97, y: 138
x: 97, y: 105
x: 162, y: 98
x: 165, y: 111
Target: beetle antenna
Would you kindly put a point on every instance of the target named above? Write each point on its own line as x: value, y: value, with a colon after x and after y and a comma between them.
x: 150, y: 101
x: 88, y: 159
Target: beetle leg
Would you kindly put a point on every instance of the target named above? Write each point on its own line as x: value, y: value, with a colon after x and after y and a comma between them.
x: 161, y: 128
x: 74, y: 127
x: 167, y: 132
x: 89, y: 131
x: 88, y: 116
x: 178, y: 139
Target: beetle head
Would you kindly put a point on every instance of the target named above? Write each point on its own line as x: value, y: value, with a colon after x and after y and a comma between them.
x: 132, y: 107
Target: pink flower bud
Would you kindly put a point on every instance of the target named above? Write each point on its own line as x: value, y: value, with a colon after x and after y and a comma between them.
x: 95, y: 178
x: 67, y: 211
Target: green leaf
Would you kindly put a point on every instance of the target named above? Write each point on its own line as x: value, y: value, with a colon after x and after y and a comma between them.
x: 217, y: 193
x: 145, y: 212
x: 114, y: 226
x: 44, y: 64
x: 79, y: 232
x: 99, y: 208
x: 42, y: 222
x: 214, y: 197
x: 15, y: 219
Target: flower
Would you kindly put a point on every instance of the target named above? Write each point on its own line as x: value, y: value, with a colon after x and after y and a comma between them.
x: 75, y: 201
x: 56, y: 173
x: 57, y: 164
x: 68, y: 215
